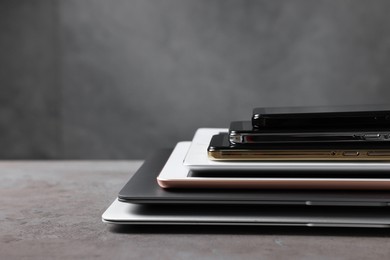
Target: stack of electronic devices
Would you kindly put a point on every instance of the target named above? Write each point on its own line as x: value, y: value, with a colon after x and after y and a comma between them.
x: 313, y: 166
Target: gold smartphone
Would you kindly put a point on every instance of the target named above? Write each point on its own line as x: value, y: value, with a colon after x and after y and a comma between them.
x: 221, y: 149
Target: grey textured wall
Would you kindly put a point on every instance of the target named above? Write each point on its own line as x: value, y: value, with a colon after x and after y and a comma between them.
x: 116, y: 79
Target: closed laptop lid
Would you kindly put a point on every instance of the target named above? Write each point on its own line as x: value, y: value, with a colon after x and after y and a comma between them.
x: 129, y: 213
x: 142, y: 188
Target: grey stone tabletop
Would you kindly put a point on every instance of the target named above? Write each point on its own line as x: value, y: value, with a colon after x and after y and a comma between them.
x: 52, y: 210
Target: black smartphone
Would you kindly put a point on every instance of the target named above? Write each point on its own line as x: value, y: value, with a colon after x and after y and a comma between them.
x: 242, y: 132
x: 363, y: 117
x: 220, y: 148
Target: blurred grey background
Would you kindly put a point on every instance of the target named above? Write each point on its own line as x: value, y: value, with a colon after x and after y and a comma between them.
x: 117, y: 79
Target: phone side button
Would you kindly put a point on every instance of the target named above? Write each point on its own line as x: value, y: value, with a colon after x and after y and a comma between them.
x: 347, y: 203
x: 372, y: 136
x: 378, y: 153
x: 351, y: 153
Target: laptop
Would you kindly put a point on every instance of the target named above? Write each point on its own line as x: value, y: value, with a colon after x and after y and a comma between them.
x: 143, y: 188
x: 121, y: 213
x: 143, y: 202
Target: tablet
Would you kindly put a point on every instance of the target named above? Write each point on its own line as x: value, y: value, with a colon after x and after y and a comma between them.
x: 197, y: 159
x: 176, y: 175
x: 128, y: 213
x: 142, y: 188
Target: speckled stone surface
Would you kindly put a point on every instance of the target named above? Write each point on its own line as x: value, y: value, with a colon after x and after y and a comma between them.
x: 52, y: 210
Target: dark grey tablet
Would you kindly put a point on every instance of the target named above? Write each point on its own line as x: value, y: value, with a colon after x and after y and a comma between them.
x: 142, y: 188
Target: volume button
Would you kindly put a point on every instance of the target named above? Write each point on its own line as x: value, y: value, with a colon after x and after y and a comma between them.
x: 378, y: 153
x: 351, y: 153
x: 372, y: 136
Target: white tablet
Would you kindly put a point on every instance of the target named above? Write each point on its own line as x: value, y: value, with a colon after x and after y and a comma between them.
x: 177, y: 175
x: 197, y: 159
